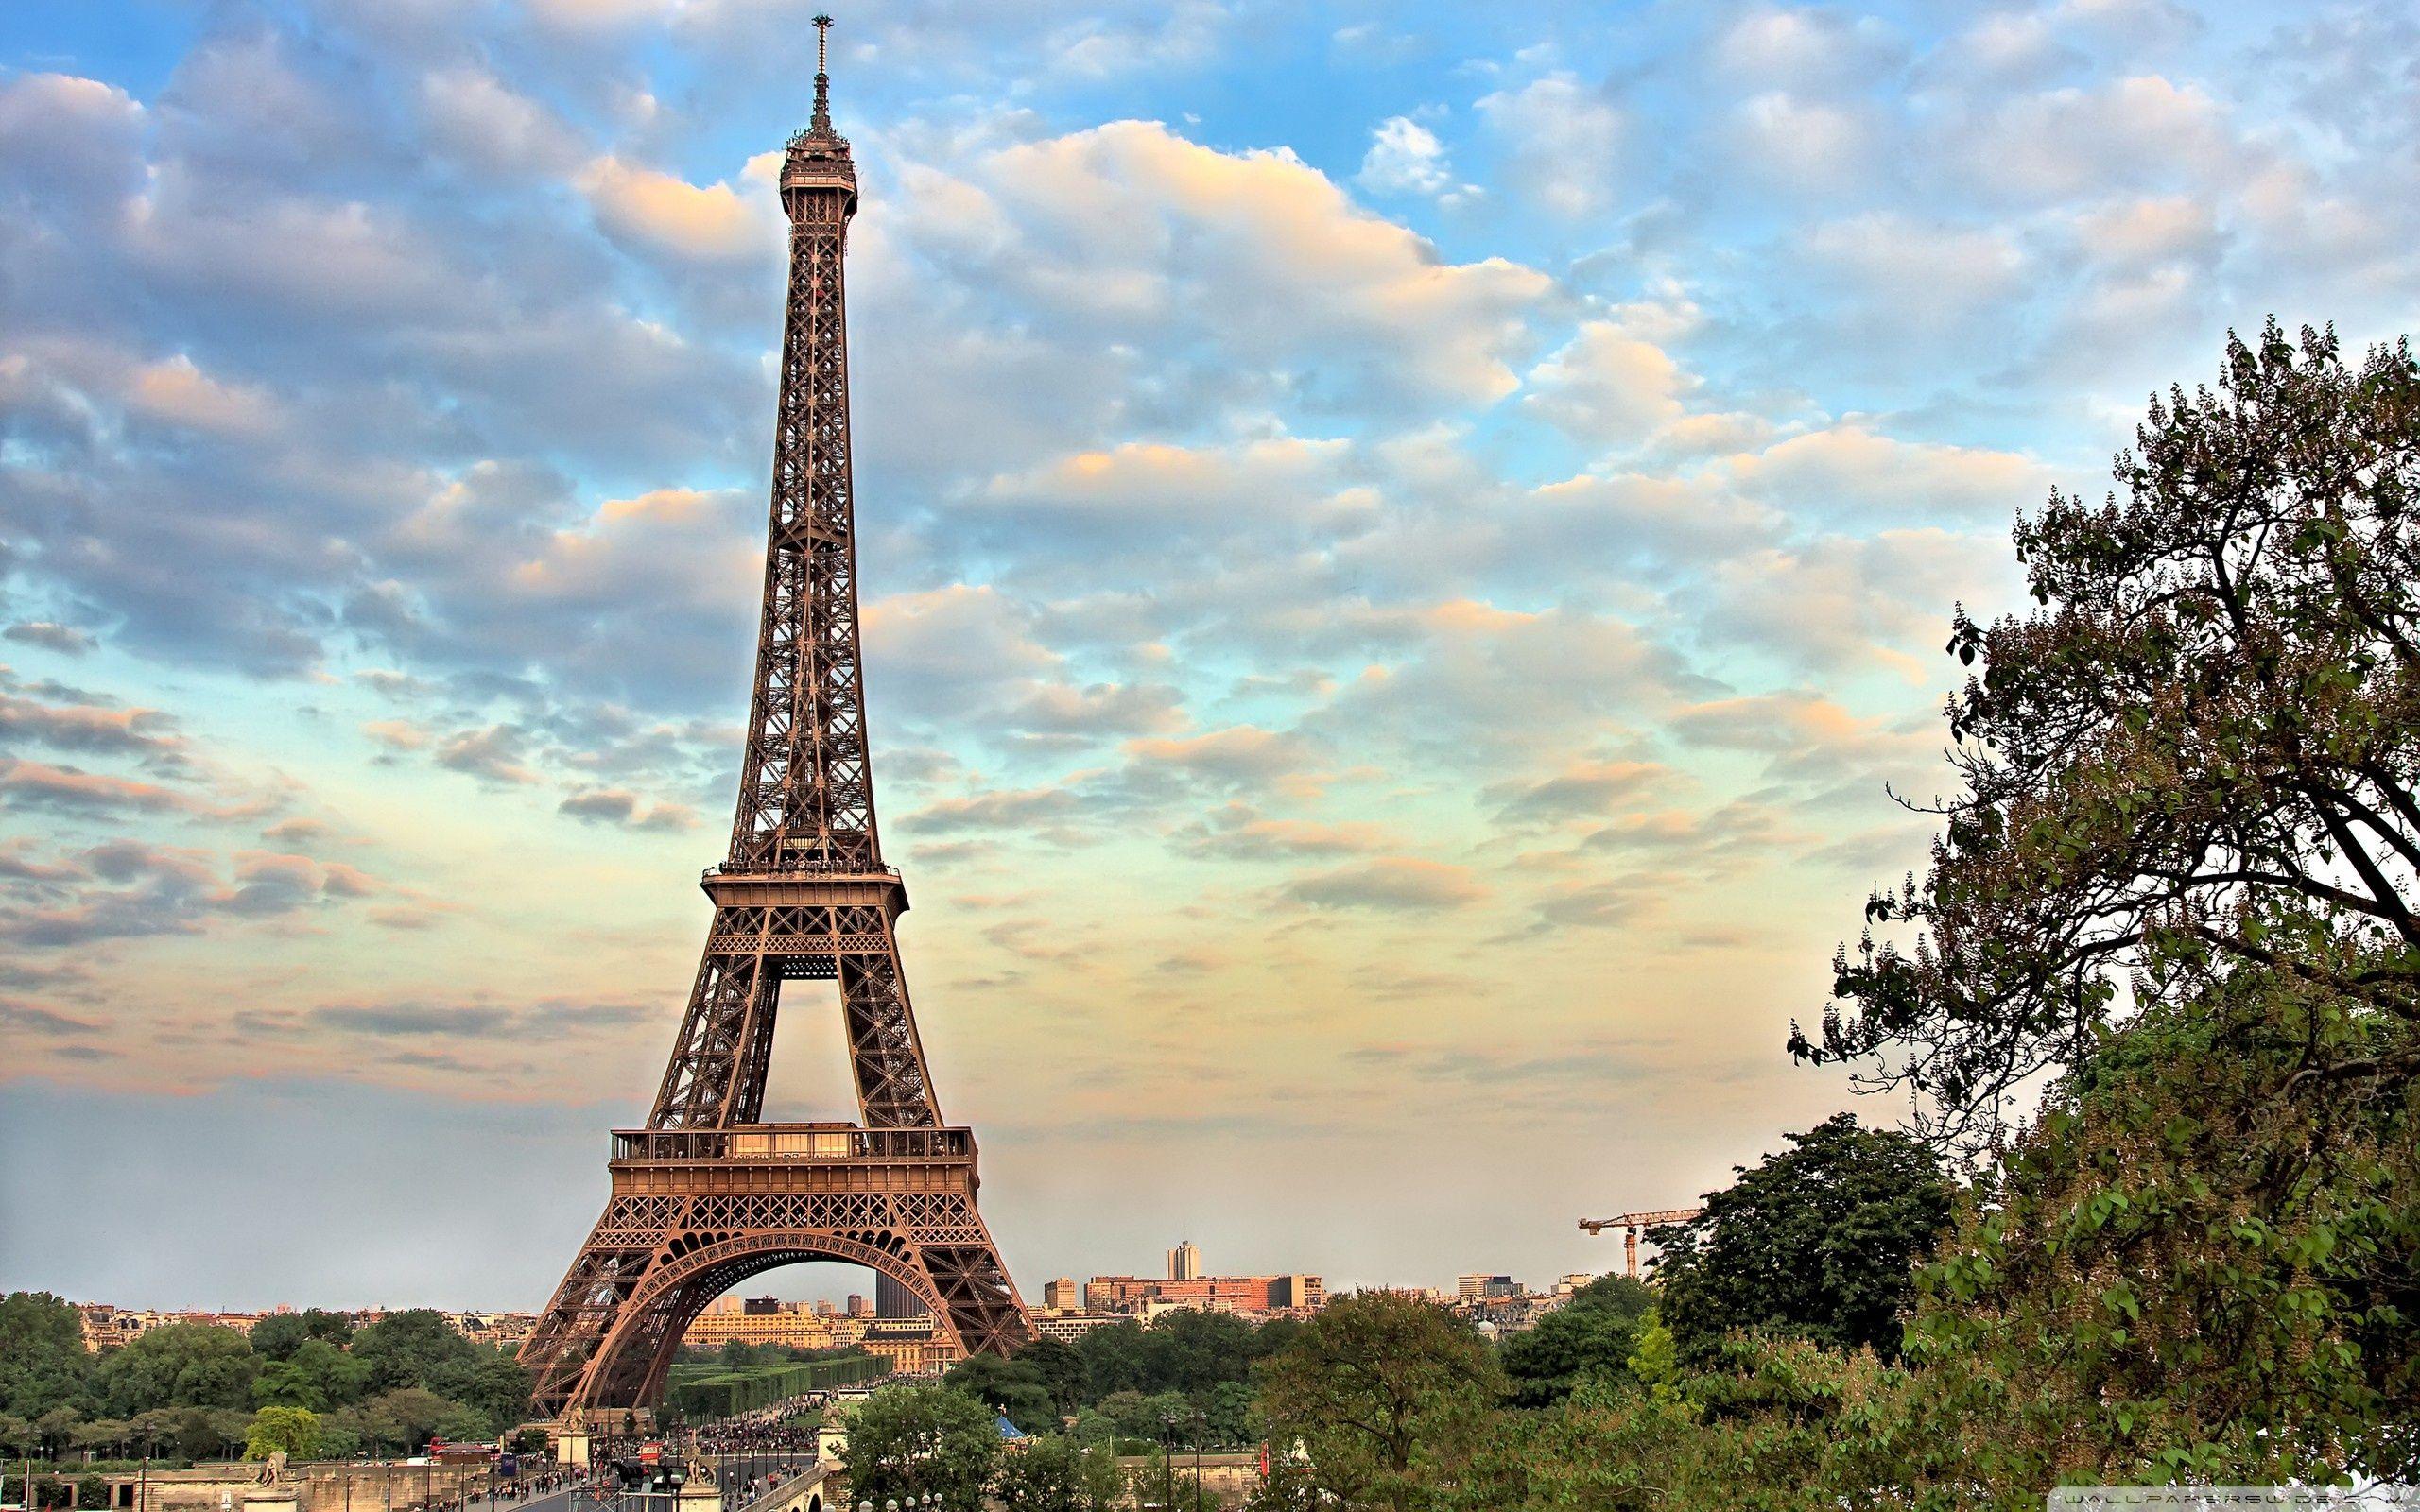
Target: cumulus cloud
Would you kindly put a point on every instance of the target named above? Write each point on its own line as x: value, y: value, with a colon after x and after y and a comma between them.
x: 665, y: 215
x: 1130, y: 226
x: 1850, y: 471
x: 1404, y: 157
x: 1607, y: 388
x: 1563, y: 144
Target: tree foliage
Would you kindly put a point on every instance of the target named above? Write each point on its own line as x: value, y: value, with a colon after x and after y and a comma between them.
x: 1387, y: 1395
x: 2181, y: 1274
x: 1817, y: 1242
x: 907, y: 1441
x: 1054, y: 1473
x: 293, y: 1430
x: 2199, y: 753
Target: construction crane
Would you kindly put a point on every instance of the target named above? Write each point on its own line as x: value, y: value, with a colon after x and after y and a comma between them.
x: 1630, y: 1223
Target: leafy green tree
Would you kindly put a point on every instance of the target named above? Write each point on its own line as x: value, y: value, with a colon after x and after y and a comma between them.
x: 2199, y: 753
x: 1387, y: 1394
x: 1054, y: 1473
x: 1625, y: 1297
x: 1011, y: 1387
x: 178, y: 1365
x: 907, y: 1442
x: 400, y: 1419
x: 279, y: 1335
x: 1654, y: 1363
x: 1060, y: 1370
x: 493, y: 1382
x: 315, y: 1375
x: 1774, y: 1425
x: 1114, y: 1359
x: 196, y: 1437
x: 1227, y: 1413
x: 338, y: 1439
x: 295, y: 1429
x: 56, y: 1429
x: 16, y: 1434
x: 43, y: 1362
x: 2188, y: 1272
x: 108, y: 1435
x: 461, y: 1424
x: 1818, y: 1241
x: 1569, y: 1345
x: 415, y: 1347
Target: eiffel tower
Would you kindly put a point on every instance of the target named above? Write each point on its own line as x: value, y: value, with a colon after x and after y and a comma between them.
x: 707, y: 1196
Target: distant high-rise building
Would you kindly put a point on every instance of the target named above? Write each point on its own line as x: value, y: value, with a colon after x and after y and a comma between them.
x: 859, y: 1306
x: 760, y: 1306
x: 1184, y: 1262
x: 1062, y: 1295
x: 1475, y: 1288
x: 891, y: 1299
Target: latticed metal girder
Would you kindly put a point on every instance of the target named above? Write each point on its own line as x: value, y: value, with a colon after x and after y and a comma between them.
x: 802, y: 894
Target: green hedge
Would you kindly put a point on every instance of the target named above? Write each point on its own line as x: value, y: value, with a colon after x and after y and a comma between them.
x: 716, y: 1391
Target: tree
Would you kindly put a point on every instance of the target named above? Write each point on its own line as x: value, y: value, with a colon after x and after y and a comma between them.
x: 415, y: 1347
x: 461, y: 1424
x: 1227, y: 1413
x: 315, y: 1375
x: 179, y: 1364
x: 1568, y: 1345
x: 2200, y: 754
x: 43, y: 1362
x: 1060, y: 1370
x: 279, y: 1335
x: 1625, y: 1297
x: 2184, y: 1274
x: 909, y: 1441
x: 1011, y: 1387
x: 1818, y: 1241
x: 402, y: 1419
x: 1386, y: 1392
x: 294, y: 1430
x: 1114, y: 1359
x: 1054, y: 1473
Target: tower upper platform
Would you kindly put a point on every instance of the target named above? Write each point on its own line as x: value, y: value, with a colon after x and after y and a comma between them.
x: 819, y: 156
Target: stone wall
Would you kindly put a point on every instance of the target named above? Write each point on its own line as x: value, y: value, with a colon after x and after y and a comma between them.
x: 329, y: 1487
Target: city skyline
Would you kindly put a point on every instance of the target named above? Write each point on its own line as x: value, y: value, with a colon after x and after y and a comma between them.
x: 1390, y: 619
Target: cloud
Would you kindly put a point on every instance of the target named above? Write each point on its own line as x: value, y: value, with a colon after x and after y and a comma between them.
x: 1237, y: 756
x: 482, y: 121
x: 1582, y: 789
x: 660, y: 214
x: 613, y: 805
x: 64, y: 639
x: 31, y: 784
x: 1805, y: 48
x: 180, y: 393
x: 1129, y: 228
x: 1239, y: 833
x: 1390, y: 885
x: 494, y: 755
x: 1850, y: 471
x: 1405, y: 158
x: 1606, y: 388
x: 1565, y: 144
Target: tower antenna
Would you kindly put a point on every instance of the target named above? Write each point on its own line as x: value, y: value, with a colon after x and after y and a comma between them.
x: 823, y: 81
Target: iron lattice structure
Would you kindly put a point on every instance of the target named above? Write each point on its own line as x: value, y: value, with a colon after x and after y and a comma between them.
x: 706, y: 1195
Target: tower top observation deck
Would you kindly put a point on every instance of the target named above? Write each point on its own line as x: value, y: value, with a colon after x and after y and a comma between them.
x: 819, y: 156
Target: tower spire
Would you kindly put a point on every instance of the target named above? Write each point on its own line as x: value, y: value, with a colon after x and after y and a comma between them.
x: 823, y: 121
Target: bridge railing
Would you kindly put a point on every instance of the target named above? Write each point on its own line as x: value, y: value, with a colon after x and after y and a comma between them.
x: 837, y: 1143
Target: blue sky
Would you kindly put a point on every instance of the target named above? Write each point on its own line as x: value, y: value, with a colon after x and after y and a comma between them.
x: 1403, y: 547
